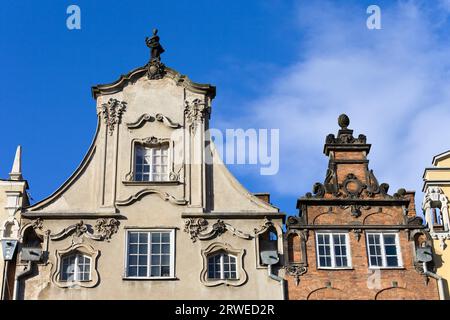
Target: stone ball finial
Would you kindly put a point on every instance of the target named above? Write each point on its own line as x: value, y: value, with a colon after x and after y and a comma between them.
x: 343, y: 121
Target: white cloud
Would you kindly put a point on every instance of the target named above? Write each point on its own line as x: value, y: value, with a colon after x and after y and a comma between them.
x: 393, y: 83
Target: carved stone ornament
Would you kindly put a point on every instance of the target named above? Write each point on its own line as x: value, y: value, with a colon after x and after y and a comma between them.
x: 195, y: 112
x: 296, y: 271
x: 112, y: 113
x: 106, y: 229
x: 266, y: 225
x: 163, y: 195
x: 293, y: 220
x: 140, y: 121
x: 154, y: 141
x: 166, y: 121
x: 357, y: 233
x: 352, y: 187
x: 199, y: 229
x: 156, y: 70
x: 37, y: 224
x: 355, y: 209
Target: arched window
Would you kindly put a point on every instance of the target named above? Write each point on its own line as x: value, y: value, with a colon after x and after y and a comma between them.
x: 76, y: 267
x: 222, y: 266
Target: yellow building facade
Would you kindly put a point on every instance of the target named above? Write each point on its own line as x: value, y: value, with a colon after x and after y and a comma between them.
x: 435, y: 204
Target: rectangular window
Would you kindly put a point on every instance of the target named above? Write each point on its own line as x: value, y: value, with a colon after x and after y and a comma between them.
x: 152, y: 163
x: 150, y: 254
x: 332, y: 250
x: 383, y: 250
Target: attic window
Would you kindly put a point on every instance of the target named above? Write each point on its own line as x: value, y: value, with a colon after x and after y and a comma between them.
x: 152, y: 163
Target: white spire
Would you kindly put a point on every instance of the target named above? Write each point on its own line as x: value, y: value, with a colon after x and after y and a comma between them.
x: 16, y: 171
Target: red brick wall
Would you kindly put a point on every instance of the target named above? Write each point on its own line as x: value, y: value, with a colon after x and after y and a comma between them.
x: 360, y: 282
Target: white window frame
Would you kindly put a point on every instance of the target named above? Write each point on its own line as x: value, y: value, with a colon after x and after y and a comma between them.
x: 76, y: 273
x: 165, y: 145
x: 172, y: 254
x: 222, y: 269
x: 383, y: 250
x: 332, y: 253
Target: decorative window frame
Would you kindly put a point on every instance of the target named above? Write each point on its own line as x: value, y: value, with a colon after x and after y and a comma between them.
x: 215, y: 248
x: 332, y: 253
x: 173, y: 238
x: 397, y: 244
x: 84, y: 249
x: 152, y: 142
x: 280, y: 243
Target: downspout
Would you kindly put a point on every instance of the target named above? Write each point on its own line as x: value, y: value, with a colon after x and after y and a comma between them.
x: 279, y: 279
x: 5, y: 280
x: 27, y: 271
x: 438, y: 278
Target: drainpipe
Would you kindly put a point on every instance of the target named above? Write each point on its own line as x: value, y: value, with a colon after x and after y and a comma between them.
x: 27, y: 271
x: 438, y: 278
x: 5, y: 280
x: 279, y: 279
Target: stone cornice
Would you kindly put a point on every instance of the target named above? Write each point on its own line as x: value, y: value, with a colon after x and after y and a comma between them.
x: 236, y: 215
x: 355, y: 226
x: 70, y: 215
x: 180, y: 79
x: 372, y: 202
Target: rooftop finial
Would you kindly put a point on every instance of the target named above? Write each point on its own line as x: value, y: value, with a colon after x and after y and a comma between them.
x: 155, y: 47
x: 343, y: 121
x: 16, y: 171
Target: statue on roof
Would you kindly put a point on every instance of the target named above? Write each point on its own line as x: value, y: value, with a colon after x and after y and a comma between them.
x: 155, y: 68
x: 155, y: 47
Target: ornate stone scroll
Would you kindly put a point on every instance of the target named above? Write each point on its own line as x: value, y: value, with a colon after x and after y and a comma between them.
x: 105, y: 228
x: 199, y: 229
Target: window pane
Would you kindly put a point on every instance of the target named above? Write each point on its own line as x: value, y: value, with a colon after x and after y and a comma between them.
x: 143, y: 237
x: 133, y: 248
x: 165, y: 260
x: 391, y: 250
x: 156, y: 248
x: 392, y: 261
x: 155, y: 272
x: 143, y: 248
x: 374, y: 262
x: 165, y: 271
x: 132, y: 260
x: 132, y: 271
x: 143, y: 260
x: 155, y: 260
x: 133, y: 237
x: 142, y: 272
x: 389, y: 239
x: 165, y: 237
x: 165, y: 248
x: 156, y: 237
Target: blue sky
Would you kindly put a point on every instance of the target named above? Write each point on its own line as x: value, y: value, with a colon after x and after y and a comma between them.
x: 292, y: 65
